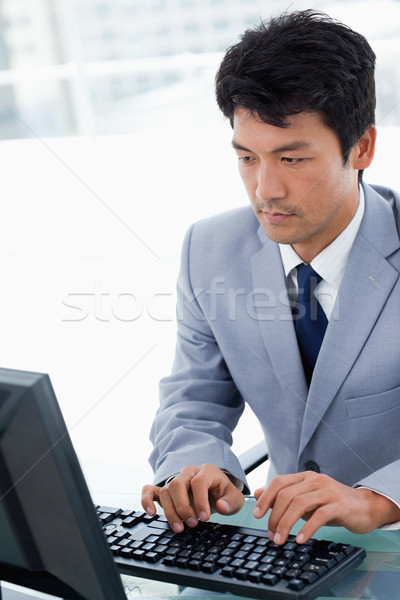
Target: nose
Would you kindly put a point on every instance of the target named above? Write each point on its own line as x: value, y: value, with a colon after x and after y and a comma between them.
x: 270, y: 184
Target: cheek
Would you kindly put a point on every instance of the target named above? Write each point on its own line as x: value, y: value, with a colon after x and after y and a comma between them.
x: 249, y: 181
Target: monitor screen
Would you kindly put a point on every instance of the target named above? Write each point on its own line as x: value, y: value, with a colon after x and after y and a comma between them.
x: 50, y: 537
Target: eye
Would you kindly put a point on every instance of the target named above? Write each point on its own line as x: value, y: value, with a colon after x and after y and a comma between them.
x: 291, y: 161
x: 246, y: 159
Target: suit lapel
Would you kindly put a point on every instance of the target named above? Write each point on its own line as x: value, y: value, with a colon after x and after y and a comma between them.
x: 275, y: 321
x: 368, y: 280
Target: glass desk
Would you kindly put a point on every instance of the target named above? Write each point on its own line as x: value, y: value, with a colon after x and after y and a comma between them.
x: 377, y: 578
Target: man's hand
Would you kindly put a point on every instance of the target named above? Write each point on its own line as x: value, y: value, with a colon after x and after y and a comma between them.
x: 193, y: 495
x: 320, y: 500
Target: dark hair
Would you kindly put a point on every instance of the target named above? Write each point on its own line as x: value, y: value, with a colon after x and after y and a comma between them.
x: 301, y: 61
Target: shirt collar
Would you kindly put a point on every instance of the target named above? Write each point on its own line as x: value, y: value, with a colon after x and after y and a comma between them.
x: 331, y: 262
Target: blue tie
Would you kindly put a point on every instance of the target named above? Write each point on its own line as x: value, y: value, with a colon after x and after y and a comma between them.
x: 309, y: 319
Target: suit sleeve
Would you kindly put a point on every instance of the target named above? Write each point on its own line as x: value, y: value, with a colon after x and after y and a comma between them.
x: 199, y: 402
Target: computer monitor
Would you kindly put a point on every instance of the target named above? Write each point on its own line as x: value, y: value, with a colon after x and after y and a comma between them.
x: 50, y: 536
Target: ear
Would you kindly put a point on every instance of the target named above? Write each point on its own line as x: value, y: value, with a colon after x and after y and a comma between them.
x: 363, y: 151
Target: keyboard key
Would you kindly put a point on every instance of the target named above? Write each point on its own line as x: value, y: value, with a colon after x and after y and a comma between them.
x: 209, y: 567
x: 309, y: 577
x: 328, y: 562
x: 264, y: 568
x: 247, y: 548
x: 228, y: 552
x: 251, y: 564
x: 148, y: 546
x: 318, y: 569
x: 267, y: 559
x: 228, y: 571
x: 240, y: 555
x: 109, y: 509
x: 254, y: 556
x: 111, y: 540
x: 293, y: 573
x: 210, y: 558
x: 290, y: 546
x: 263, y: 542
x: 129, y: 522
x: 135, y: 544
x: 281, y: 562
x: 280, y: 571
x: 152, y: 538
x: 159, y: 524
x: 162, y: 519
x: 105, y: 518
x: 237, y: 563
x: 152, y: 557
x: 270, y: 579
x: 255, y: 576
x: 297, y: 563
x: 126, y: 513
x: 121, y: 534
x: 223, y: 561
x: 250, y: 539
x: 241, y: 574
x: 296, y: 584
x: 346, y: 548
x: 182, y: 562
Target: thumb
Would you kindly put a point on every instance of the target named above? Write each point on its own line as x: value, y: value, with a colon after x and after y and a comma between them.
x: 231, y: 502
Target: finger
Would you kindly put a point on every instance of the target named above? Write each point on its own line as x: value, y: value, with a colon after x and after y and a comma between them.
x: 263, y: 503
x: 295, y: 494
x: 301, y: 504
x: 258, y: 492
x: 231, y: 502
x: 171, y: 514
x: 200, y: 485
x: 321, y: 516
x: 180, y: 493
x: 150, y: 493
x: 266, y: 496
x: 213, y: 490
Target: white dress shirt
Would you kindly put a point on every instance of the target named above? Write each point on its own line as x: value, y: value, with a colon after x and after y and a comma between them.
x: 330, y: 264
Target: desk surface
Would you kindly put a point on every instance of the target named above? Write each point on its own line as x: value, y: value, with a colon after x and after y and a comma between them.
x: 377, y: 578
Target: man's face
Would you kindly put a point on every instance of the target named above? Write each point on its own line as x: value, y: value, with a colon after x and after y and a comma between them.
x: 300, y: 190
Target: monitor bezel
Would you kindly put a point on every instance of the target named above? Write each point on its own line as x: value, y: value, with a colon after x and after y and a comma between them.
x: 19, y: 388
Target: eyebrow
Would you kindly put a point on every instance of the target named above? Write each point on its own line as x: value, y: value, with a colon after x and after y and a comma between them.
x: 297, y: 145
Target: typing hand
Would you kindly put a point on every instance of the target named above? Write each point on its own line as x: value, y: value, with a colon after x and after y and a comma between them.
x: 193, y: 495
x: 320, y: 500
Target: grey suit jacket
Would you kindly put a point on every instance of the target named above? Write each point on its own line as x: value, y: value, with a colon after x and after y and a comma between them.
x: 236, y: 344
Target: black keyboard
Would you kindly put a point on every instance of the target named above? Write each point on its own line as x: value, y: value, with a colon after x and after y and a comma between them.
x: 224, y: 558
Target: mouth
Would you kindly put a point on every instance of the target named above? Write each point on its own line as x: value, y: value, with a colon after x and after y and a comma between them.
x: 276, y: 217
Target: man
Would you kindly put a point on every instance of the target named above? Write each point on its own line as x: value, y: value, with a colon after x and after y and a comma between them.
x: 299, y: 92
